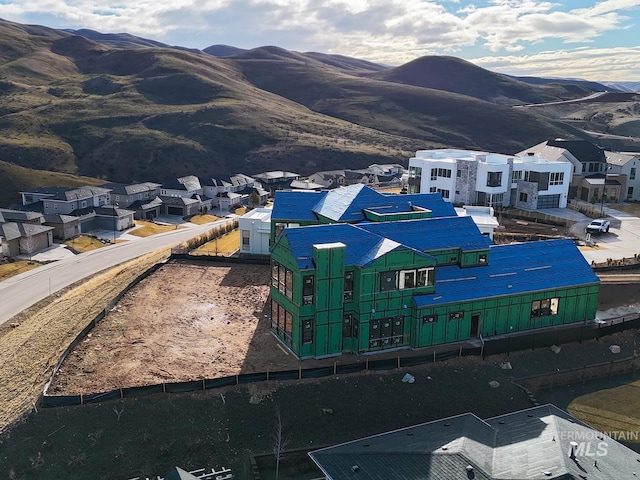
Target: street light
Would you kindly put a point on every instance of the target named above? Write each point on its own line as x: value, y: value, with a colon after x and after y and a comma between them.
x: 604, y: 197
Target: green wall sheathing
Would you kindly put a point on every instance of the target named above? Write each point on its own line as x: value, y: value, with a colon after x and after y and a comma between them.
x: 503, y: 315
x: 396, y: 217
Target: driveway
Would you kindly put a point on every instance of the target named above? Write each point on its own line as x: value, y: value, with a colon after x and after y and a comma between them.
x: 622, y: 240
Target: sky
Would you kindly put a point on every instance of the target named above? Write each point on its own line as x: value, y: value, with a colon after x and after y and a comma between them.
x: 591, y: 40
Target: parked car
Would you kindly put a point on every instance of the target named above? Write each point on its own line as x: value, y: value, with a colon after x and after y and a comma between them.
x: 600, y: 225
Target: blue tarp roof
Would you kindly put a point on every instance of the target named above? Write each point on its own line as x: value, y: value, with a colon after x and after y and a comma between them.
x: 346, y: 204
x: 433, y: 233
x: 295, y: 205
x: 362, y: 247
x: 431, y: 201
x: 513, y: 269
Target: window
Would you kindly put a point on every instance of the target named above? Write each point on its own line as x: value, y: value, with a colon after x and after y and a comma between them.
x: 245, y: 239
x: 444, y: 193
x: 459, y: 315
x: 629, y: 193
x: 347, y: 322
x: 282, y: 279
x: 429, y: 319
x: 545, y: 307
x: 425, y: 277
x: 415, y: 172
x: 432, y: 189
x: 440, y: 172
x: 516, y: 175
x: 494, y: 179
x: 459, y: 173
x: 632, y: 173
x: 281, y: 322
x: 348, y: 286
x: 523, y: 197
x: 307, y: 290
x: 556, y: 178
x: 482, y: 258
x: 421, y: 277
x: 407, y: 279
x: 307, y: 332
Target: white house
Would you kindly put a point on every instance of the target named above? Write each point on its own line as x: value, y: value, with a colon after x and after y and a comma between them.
x: 255, y: 228
x: 465, y: 177
x: 627, y: 165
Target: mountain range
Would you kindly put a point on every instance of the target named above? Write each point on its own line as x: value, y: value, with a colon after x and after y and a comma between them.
x: 124, y: 108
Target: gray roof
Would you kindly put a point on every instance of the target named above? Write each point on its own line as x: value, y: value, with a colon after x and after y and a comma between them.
x: 19, y: 216
x: 177, y: 473
x: 528, y: 444
x: 618, y: 158
x: 131, y: 189
x: 68, y: 194
x: 13, y: 230
x: 58, y: 218
x: 178, y: 200
x: 145, y: 204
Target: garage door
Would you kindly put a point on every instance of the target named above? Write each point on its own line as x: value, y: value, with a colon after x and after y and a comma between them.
x: 174, y: 211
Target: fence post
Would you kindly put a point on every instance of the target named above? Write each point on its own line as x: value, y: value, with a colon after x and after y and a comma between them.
x: 434, y: 356
x: 299, y: 372
x: 398, y: 361
x: 335, y: 367
x: 460, y: 352
x: 204, y: 387
x: 267, y: 373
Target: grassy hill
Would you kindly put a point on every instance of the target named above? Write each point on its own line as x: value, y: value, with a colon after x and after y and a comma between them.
x: 16, y: 178
x: 72, y: 105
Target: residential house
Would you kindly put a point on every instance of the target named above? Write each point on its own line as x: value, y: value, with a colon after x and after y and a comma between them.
x: 181, y: 206
x: 466, y: 177
x: 21, y: 216
x: 65, y: 227
x: 542, y: 442
x: 589, y: 182
x: 255, y: 229
x: 276, y: 180
x: 24, y: 238
x: 123, y: 195
x: 625, y: 167
x: 106, y: 217
x: 374, y: 286
x: 240, y: 185
x: 64, y: 200
x: 306, y: 184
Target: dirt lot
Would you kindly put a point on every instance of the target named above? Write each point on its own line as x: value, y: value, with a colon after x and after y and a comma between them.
x: 187, y: 321
x: 190, y: 321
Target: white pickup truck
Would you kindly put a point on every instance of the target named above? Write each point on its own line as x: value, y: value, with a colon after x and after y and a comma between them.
x: 598, y: 226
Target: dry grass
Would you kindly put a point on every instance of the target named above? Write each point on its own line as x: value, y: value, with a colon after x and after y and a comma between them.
x: 148, y: 228
x: 11, y: 269
x: 202, y: 219
x: 84, y: 244
x: 240, y: 211
x: 29, y: 352
x: 225, y: 245
x: 631, y: 208
x: 611, y: 410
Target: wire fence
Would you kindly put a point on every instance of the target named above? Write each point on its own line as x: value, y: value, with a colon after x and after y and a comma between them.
x: 404, y: 358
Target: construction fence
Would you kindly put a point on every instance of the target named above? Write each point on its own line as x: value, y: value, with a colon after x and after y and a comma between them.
x: 402, y: 359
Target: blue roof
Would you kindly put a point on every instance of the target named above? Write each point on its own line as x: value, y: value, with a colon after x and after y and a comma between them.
x: 433, y: 233
x: 513, y: 269
x: 431, y: 201
x: 347, y: 204
x: 295, y: 205
x: 362, y: 247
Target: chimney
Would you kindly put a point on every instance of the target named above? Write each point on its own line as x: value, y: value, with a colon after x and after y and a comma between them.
x: 572, y: 452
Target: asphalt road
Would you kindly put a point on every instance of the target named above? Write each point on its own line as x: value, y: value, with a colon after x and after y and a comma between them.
x: 20, y: 292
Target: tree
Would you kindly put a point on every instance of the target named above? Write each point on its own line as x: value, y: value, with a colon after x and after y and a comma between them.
x: 254, y: 199
x: 279, y: 440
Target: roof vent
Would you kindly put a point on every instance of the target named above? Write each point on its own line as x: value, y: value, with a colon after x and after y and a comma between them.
x: 547, y: 473
x: 355, y: 468
x: 572, y: 452
x: 469, y: 468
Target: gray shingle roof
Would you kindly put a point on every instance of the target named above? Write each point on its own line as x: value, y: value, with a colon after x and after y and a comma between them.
x: 528, y: 444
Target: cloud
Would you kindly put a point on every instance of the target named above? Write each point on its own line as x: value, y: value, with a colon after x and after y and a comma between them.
x: 385, y: 31
x: 598, y: 64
